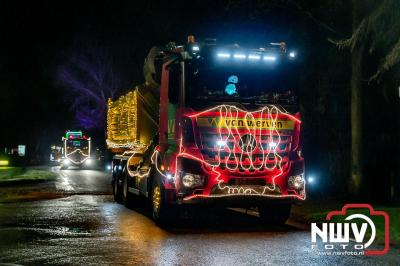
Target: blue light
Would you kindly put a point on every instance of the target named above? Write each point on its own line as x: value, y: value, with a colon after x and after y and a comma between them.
x: 292, y: 54
x: 169, y: 176
x: 269, y: 58
x: 230, y: 89
x: 272, y: 145
x: 195, y: 48
x: 221, y: 143
x: 239, y: 56
x: 254, y: 57
x: 224, y: 55
x: 310, y: 179
x: 233, y: 79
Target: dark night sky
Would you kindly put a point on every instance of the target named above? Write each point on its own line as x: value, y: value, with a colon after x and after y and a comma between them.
x: 34, y: 36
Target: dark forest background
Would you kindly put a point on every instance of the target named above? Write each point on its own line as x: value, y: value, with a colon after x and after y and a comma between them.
x: 54, y: 54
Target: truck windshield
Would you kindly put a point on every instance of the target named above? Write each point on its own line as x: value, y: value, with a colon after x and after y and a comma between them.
x: 77, y: 143
x: 250, y: 85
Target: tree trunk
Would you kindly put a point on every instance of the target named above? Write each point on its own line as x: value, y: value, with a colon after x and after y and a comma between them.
x: 357, y: 54
x: 356, y: 121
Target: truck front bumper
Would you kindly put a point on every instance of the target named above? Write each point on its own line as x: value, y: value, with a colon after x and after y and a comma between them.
x: 243, y: 196
x: 237, y: 200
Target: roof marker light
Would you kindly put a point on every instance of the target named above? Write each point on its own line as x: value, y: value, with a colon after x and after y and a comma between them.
x: 239, y: 56
x: 254, y: 57
x: 224, y: 55
x: 269, y: 58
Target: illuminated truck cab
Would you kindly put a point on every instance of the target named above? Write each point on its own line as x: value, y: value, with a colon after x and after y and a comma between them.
x: 244, y: 139
x: 228, y: 132
x: 76, y: 150
x: 241, y: 153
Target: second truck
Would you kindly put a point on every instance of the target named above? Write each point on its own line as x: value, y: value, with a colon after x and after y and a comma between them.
x: 76, y: 150
x: 213, y: 124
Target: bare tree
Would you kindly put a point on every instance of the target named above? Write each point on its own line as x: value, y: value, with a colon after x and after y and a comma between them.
x: 88, y: 76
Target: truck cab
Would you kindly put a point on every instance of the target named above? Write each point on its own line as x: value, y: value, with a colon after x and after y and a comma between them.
x: 228, y: 133
x: 76, y: 150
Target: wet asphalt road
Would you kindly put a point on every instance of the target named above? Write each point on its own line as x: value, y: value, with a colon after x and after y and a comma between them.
x: 85, y: 227
x: 78, y: 181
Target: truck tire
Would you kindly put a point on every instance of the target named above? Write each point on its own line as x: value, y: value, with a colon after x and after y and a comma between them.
x: 161, y: 211
x: 274, y: 213
x: 117, y: 189
x: 128, y: 199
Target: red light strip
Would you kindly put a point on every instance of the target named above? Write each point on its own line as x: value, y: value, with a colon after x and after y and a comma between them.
x: 272, y: 112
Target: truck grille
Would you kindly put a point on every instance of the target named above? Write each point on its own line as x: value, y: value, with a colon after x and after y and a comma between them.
x: 236, y: 156
x: 247, y: 182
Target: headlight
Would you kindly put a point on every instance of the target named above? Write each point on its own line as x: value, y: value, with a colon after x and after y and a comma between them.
x: 66, y: 161
x: 272, y: 145
x: 191, y: 180
x: 195, y: 48
x: 296, y: 182
x: 221, y: 143
x: 88, y: 162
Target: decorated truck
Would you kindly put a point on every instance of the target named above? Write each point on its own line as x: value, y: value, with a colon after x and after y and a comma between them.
x: 76, y: 150
x: 213, y: 124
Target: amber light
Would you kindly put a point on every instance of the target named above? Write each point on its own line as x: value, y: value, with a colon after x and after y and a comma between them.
x: 191, y: 39
x: 122, y: 121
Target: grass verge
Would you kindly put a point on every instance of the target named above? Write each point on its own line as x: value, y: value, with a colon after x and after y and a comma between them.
x: 19, y: 174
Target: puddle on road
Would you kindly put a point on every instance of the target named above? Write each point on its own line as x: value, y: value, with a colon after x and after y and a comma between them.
x: 68, y: 231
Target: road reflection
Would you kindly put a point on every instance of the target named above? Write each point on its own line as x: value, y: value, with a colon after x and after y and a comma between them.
x: 193, y: 239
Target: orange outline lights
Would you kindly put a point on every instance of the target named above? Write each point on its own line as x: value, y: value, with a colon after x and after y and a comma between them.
x: 122, y: 121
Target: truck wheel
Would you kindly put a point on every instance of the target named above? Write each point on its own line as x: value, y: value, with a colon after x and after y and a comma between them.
x: 275, y: 213
x: 129, y: 199
x: 126, y: 199
x: 117, y: 190
x: 160, y: 209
